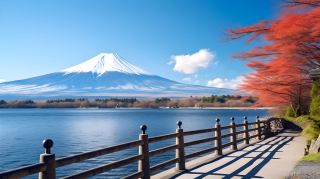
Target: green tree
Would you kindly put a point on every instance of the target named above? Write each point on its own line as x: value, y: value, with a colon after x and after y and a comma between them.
x: 290, y: 112
x: 2, y: 102
x: 315, y: 104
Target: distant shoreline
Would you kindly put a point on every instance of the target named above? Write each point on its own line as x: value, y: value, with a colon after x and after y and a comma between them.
x: 151, y: 108
x: 221, y: 108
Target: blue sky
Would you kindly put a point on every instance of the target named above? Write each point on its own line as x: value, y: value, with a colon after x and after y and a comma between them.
x: 41, y: 37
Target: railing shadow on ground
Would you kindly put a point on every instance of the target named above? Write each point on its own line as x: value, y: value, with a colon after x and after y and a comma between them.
x: 277, y: 142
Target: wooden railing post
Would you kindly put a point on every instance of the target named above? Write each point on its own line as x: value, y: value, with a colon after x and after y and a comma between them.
x: 246, y: 128
x: 218, y: 142
x: 181, y: 165
x: 233, y: 138
x: 49, y: 160
x: 259, y: 128
x: 144, y: 164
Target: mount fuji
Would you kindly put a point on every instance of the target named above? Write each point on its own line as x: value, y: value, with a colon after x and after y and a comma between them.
x: 106, y: 75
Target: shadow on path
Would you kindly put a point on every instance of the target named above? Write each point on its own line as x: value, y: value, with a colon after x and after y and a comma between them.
x: 291, y: 127
x: 244, y: 163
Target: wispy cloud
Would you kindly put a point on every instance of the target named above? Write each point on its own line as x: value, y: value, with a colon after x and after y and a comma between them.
x: 196, y: 75
x: 187, y: 79
x: 189, y: 64
x: 29, y: 89
x: 2, y: 80
x: 196, y: 82
x: 169, y: 63
x: 220, y: 83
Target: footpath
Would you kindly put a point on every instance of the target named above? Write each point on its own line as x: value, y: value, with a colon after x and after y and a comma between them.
x: 273, y: 158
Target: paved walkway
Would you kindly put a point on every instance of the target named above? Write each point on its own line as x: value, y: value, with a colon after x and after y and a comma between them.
x: 273, y: 158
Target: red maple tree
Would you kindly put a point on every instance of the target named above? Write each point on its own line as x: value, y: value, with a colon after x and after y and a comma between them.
x: 281, y: 67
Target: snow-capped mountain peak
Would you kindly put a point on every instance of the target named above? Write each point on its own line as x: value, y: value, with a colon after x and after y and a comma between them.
x: 104, y: 63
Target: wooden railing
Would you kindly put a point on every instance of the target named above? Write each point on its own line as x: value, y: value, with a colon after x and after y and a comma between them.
x: 48, y: 164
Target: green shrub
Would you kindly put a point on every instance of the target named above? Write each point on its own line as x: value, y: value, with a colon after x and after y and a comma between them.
x: 312, y: 157
x: 309, y: 142
x: 312, y: 130
x: 290, y: 112
x: 303, y: 119
x: 315, y: 104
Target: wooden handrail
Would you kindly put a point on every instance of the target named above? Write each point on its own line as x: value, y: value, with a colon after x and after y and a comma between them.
x: 240, y: 140
x: 134, y: 176
x: 227, y: 144
x: 163, y: 150
x: 239, y: 125
x: 254, y: 136
x: 104, y: 168
x: 195, y: 142
x: 240, y: 132
x: 252, y: 123
x: 23, y: 171
x: 199, y: 131
x: 195, y: 154
x: 163, y: 137
x: 254, y: 129
x: 225, y: 127
x: 87, y: 155
x: 226, y: 135
x: 47, y: 169
x: 163, y: 165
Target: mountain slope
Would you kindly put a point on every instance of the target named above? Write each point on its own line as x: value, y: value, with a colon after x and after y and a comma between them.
x: 105, y: 75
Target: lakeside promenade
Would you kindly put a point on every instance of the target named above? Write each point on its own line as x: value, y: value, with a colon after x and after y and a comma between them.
x: 272, y: 158
x: 254, y: 158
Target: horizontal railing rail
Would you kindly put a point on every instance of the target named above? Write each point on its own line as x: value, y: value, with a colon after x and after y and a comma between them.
x: 196, y: 154
x: 200, y: 141
x: 163, y: 150
x: 199, y: 131
x: 96, y: 153
x: 104, y: 168
x: 163, y: 137
x: 163, y: 165
x: 48, y: 164
x: 23, y: 171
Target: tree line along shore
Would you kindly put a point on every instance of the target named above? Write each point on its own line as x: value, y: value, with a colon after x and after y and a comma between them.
x: 197, y: 102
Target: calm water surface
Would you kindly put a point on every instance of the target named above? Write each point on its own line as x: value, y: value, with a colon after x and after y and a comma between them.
x: 75, y: 131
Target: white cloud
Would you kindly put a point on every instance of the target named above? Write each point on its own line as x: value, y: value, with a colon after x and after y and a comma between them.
x: 2, y: 80
x: 220, y: 83
x: 169, y: 63
x: 196, y: 81
x: 216, y: 63
x: 187, y: 79
x: 196, y: 75
x: 191, y: 63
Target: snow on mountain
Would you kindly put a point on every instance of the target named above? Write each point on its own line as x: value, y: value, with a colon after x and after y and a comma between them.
x: 104, y: 63
x: 106, y: 75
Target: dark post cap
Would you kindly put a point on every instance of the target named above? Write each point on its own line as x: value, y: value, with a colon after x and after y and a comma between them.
x: 143, y: 128
x: 257, y: 116
x: 232, y: 119
x: 245, y: 118
x: 217, y: 120
x: 47, y: 144
x: 179, y: 123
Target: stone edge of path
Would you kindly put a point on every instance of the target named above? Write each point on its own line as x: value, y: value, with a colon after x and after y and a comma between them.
x: 305, y: 169
x: 199, y: 161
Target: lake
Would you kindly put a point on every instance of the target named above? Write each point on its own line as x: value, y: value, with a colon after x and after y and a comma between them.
x: 75, y: 131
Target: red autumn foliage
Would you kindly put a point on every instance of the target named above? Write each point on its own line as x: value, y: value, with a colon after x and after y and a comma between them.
x: 281, y: 67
